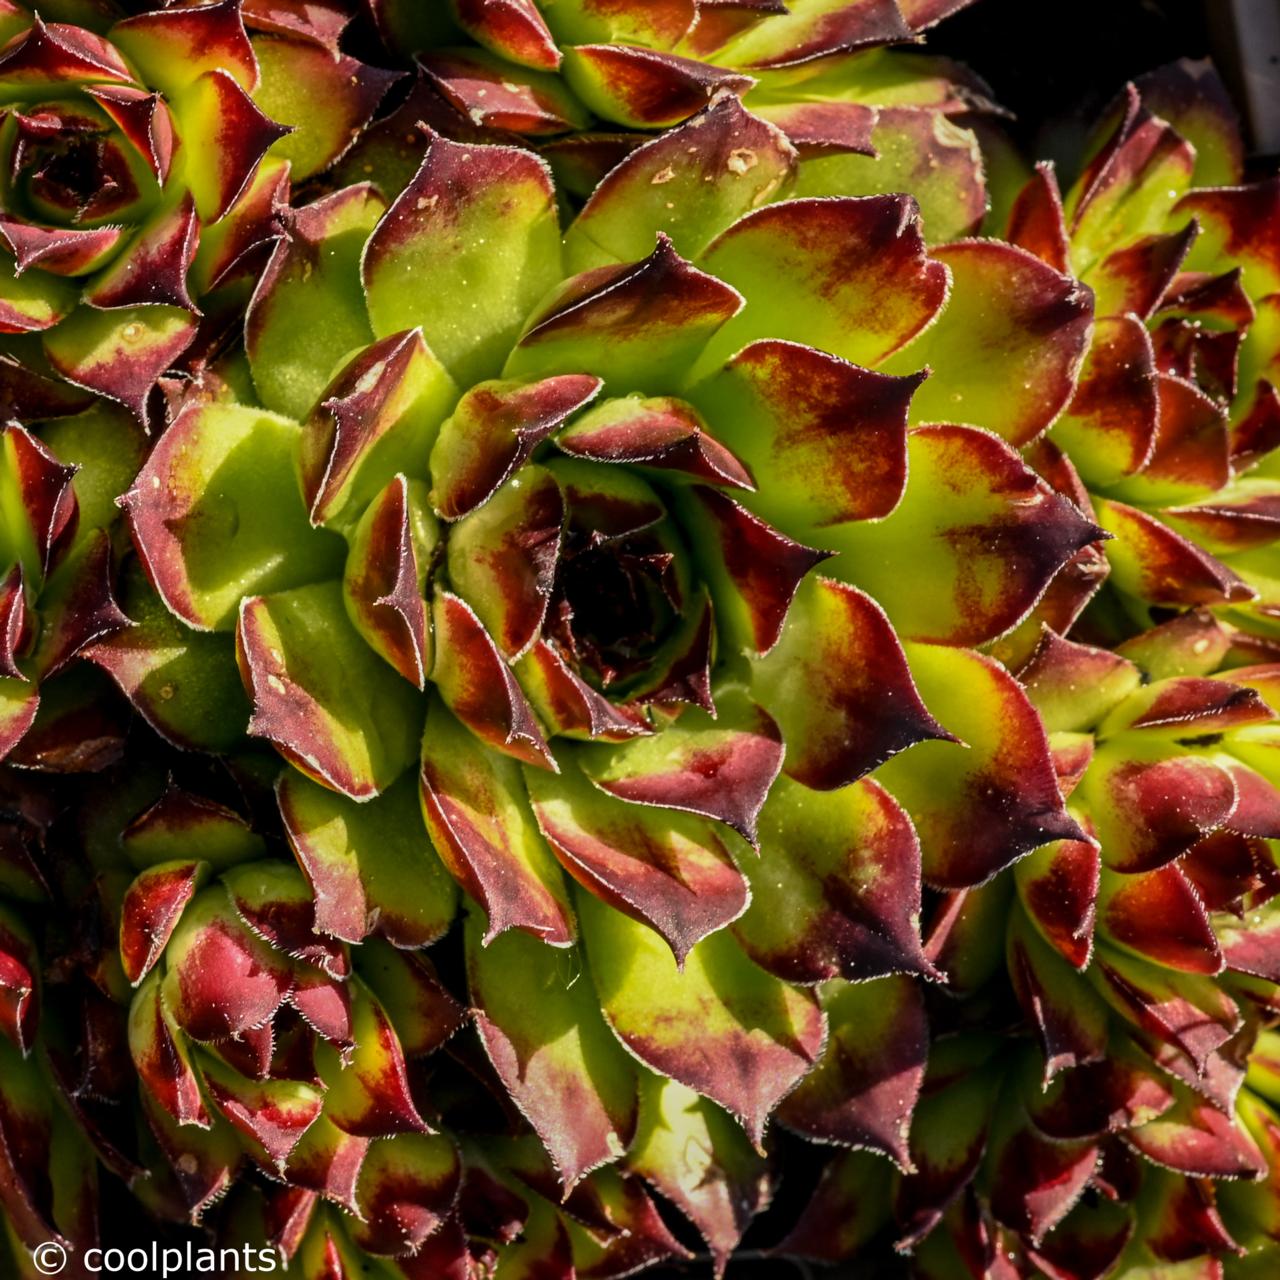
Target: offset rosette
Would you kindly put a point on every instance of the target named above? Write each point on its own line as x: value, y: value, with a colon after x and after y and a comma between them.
x: 135, y: 177
x: 621, y: 540
x: 581, y: 79
x: 64, y: 1066
x: 1103, y: 1131
x: 1174, y: 423
x: 259, y: 1043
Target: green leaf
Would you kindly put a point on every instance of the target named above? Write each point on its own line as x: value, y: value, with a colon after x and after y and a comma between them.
x: 314, y: 272
x: 480, y: 223
x: 359, y: 858
x: 328, y: 702
x: 721, y: 1025
x: 539, y: 1020
x: 214, y: 505
x: 920, y: 151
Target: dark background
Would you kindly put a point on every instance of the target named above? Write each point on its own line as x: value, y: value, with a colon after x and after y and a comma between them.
x: 1046, y: 58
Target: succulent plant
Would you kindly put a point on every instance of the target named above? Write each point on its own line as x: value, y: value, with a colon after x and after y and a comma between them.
x: 1176, y: 415
x: 65, y: 1067
x: 543, y: 67
x: 492, y: 532
x: 142, y: 171
x: 587, y: 83
x: 639, y: 708
x: 114, y: 181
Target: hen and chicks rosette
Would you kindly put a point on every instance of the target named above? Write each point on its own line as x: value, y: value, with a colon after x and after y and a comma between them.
x: 601, y: 557
x: 629, y: 549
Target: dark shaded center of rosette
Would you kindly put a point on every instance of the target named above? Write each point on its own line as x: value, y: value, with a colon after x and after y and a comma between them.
x: 615, y: 603
x: 621, y: 585
x: 66, y: 165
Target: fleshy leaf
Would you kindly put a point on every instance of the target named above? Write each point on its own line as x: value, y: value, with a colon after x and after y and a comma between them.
x: 272, y: 1114
x: 479, y: 688
x: 314, y: 270
x: 173, y: 47
x: 865, y: 1087
x: 720, y: 1025
x: 153, y: 267
x: 849, y: 1207
x: 662, y: 433
x: 1134, y: 278
x: 503, y: 557
x: 645, y: 88
x: 539, y: 1020
x: 848, y: 275
x: 1008, y: 346
x: 691, y: 182
x: 817, y: 29
x: 161, y: 1058
x: 324, y: 96
x: 721, y: 768
x: 422, y: 1011
x: 1159, y: 915
x: 327, y: 1161
x: 120, y: 353
x: 182, y: 825
x: 378, y: 417
x: 390, y: 554
x: 920, y: 150
x: 995, y: 535
x: 473, y: 804
x: 1129, y: 185
x: 1073, y: 685
x: 1237, y: 228
x: 838, y: 686
x: 212, y: 507
x: 978, y: 806
x: 320, y: 693
x: 1036, y: 221
x: 948, y: 1133
x: 408, y: 1186
x: 1191, y: 96
x: 1058, y: 889
x: 514, y: 29
x: 492, y: 433
x: 836, y: 891
x: 1190, y: 1013
x: 1109, y: 428
x: 670, y: 870
x: 1034, y: 1182
x: 221, y: 979
x: 183, y: 682
x: 568, y: 705
x: 368, y: 1095
x: 1070, y: 1020
x: 1151, y: 801
x: 357, y: 857
x: 1195, y: 1138
x: 150, y: 911
x: 479, y: 222
x: 830, y: 437
x: 754, y: 571
x: 1149, y: 560
x: 19, y: 983
x: 216, y: 106
x: 698, y: 1158
x: 640, y: 326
